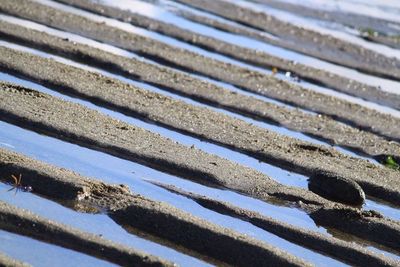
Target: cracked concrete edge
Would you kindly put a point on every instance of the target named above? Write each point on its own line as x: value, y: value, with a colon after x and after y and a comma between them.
x: 259, y: 58
x: 285, y: 152
x: 180, y: 83
x: 351, y: 253
x: 152, y: 217
x: 6, y: 261
x: 26, y: 223
x: 246, y: 79
x: 304, y: 40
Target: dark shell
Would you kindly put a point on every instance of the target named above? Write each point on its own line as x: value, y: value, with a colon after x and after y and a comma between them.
x: 336, y: 188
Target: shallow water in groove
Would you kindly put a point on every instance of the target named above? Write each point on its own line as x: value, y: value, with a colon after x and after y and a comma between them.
x: 147, y: 189
x: 38, y: 253
x: 385, y: 84
x: 174, y: 42
x: 271, y: 127
x: 98, y: 224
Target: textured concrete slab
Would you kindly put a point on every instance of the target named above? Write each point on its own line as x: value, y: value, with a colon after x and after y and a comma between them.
x: 253, y: 81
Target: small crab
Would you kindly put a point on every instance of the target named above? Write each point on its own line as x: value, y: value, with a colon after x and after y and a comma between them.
x: 18, y: 186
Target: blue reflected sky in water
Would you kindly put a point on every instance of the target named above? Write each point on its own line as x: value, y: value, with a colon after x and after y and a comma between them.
x: 39, y: 253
